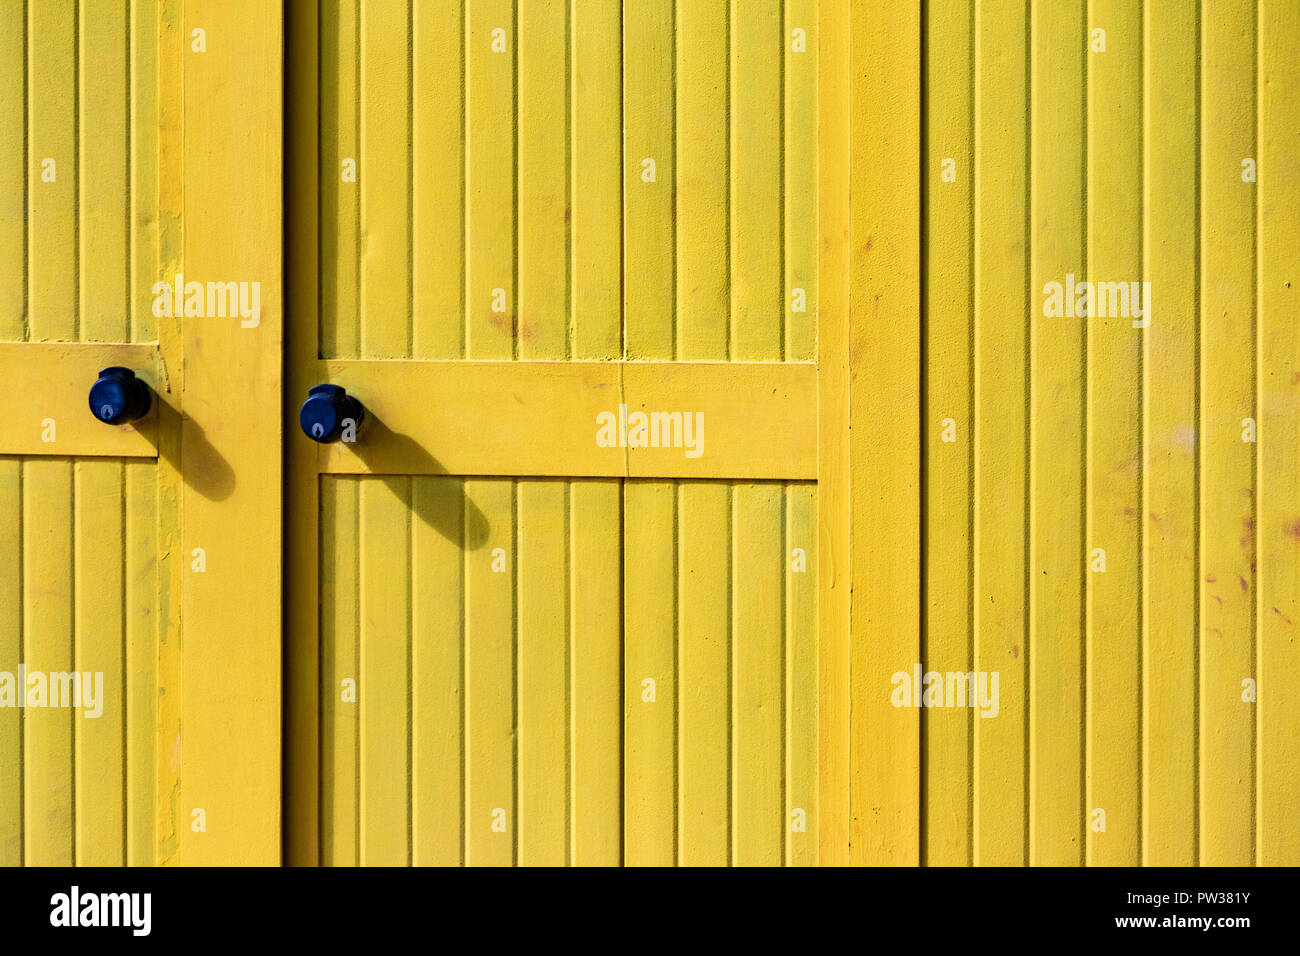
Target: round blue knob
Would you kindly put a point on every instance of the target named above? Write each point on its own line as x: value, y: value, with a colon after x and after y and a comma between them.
x: 118, y: 397
x: 326, y: 410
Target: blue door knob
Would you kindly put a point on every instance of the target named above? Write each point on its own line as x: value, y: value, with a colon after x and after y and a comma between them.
x: 118, y: 397
x: 325, y: 413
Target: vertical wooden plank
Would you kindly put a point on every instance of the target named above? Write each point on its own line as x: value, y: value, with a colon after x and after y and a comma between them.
x: 490, y: 179
x: 231, y: 711
x: 1169, y: 390
x: 596, y: 190
x: 385, y: 174
x: 757, y: 309
x: 946, y: 748
x: 341, y: 693
x: 1056, y: 453
x: 47, y: 646
x: 1114, y: 438
x: 801, y: 585
x: 438, y: 187
x: 649, y: 179
x: 306, y: 268
x: 340, y: 156
x: 173, y: 565
x: 1228, y: 505
x: 834, y: 480
x: 596, y: 672
x: 12, y: 512
x: 385, y: 640
x: 437, y: 662
x: 544, y: 212
x: 703, y: 202
x: 543, y: 673
x: 758, y: 667
x: 1001, y: 385
x: 142, y: 587
x: 491, y: 821
x: 754, y: 296
x: 704, y: 632
x: 800, y: 182
x: 144, y: 145
x: 102, y: 127
x: 650, y: 674
x: 98, y: 658
x: 1277, y: 832
x: 13, y: 173
x: 52, y: 170
x: 884, y: 235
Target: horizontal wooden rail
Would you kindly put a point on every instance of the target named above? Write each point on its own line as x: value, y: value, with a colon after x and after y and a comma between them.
x: 577, y: 419
x: 50, y: 382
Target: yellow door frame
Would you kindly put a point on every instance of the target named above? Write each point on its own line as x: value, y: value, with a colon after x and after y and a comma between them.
x: 221, y: 126
x: 870, y: 440
x: 833, y: 501
x: 302, y: 609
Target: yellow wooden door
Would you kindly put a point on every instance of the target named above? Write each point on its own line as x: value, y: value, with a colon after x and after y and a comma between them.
x: 714, y: 390
x: 832, y: 230
x: 515, y: 635
x: 80, y: 514
x: 1110, y: 487
x: 139, y: 562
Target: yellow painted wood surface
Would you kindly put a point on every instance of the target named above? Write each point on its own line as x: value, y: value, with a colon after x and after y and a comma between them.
x: 1001, y: 390
x: 1054, y: 648
x: 1277, y: 653
x: 826, y: 225
x: 54, y: 419
x: 542, y: 418
x: 168, y: 247
x: 554, y: 670
x: 651, y: 675
x: 149, y: 552
x: 596, y: 179
x: 1170, y: 489
x: 481, y: 703
x: 80, y: 595
x: 834, y: 596
x: 947, y: 734
x: 81, y: 554
x: 1228, y: 388
x: 885, y: 466
x: 1113, y: 443
x: 13, y: 175
x: 1277, y: 838
x: 320, y: 779
x: 231, y: 465
x: 1111, y: 143
x: 52, y: 223
x: 649, y: 181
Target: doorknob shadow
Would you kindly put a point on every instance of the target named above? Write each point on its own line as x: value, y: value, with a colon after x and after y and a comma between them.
x: 451, y: 513
x: 204, y: 470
